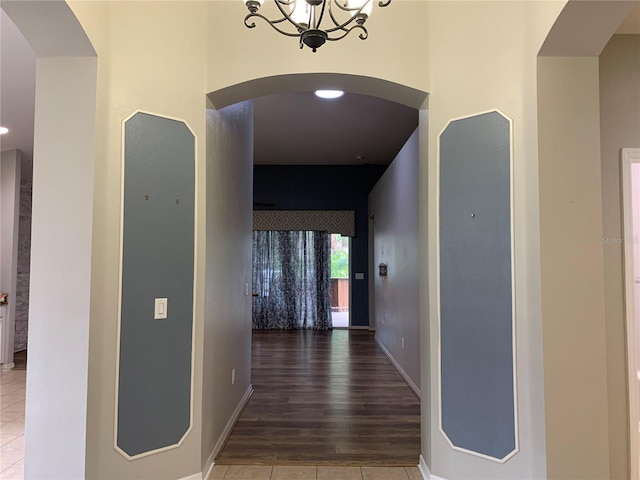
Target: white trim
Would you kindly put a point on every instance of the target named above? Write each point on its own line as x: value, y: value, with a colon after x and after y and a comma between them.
x: 227, y: 430
x: 414, y: 388
x: 628, y: 156
x: 195, y: 476
x: 424, y: 470
x: 207, y: 475
x: 195, y: 276
x: 513, y: 291
x: 359, y: 327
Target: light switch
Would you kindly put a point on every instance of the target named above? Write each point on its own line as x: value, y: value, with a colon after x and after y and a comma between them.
x: 160, y: 311
x: 246, y: 289
x: 359, y: 276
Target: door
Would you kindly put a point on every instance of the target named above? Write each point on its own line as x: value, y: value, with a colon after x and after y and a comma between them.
x: 340, y: 285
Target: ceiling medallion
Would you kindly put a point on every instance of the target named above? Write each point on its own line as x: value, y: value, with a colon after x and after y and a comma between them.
x: 303, y: 19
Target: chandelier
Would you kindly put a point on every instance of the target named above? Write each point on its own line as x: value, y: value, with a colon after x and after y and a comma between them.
x: 303, y: 19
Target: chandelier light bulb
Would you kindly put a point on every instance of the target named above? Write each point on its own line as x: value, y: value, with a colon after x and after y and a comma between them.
x: 300, y: 10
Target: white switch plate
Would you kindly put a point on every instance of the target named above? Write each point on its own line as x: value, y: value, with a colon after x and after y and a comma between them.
x: 359, y: 276
x: 160, y: 310
x: 246, y: 289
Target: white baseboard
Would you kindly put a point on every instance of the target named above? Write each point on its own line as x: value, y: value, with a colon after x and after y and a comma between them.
x: 195, y: 476
x: 400, y: 370
x: 227, y: 431
x: 359, y: 327
x: 209, y: 471
x: 424, y: 471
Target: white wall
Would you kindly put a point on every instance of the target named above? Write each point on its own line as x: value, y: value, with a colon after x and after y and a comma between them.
x: 572, y: 268
x: 61, y: 255
x: 227, y: 315
x: 395, y: 50
x: 10, y: 172
x: 393, y: 202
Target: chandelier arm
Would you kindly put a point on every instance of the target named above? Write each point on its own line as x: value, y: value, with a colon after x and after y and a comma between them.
x: 338, y: 25
x: 288, y: 17
x: 319, y: 20
x: 288, y: 3
x: 269, y: 22
x: 352, y: 9
x: 333, y: 19
x: 363, y: 35
x: 384, y: 4
x: 342, y: 26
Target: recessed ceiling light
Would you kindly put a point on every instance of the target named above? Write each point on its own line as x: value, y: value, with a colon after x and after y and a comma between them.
x: 329, y: 93
x: 3, y: 130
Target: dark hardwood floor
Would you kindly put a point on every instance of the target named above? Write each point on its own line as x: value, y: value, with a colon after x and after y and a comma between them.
x: 324, y: 398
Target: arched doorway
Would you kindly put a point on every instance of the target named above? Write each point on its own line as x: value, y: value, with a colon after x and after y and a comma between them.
x: 61, y: 238
x: 581, y: 278
x: 230, y: 119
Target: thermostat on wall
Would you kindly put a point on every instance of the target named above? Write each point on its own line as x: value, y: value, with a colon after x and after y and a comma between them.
x: 382, y: 269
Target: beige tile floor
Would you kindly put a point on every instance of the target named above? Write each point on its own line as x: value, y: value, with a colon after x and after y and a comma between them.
x: 12, y: 391
x: 12, y: 394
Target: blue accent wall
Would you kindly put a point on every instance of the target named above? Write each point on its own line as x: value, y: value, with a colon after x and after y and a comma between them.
x: 326, y: 187
x: 476, y: 319
x: 154, y: 388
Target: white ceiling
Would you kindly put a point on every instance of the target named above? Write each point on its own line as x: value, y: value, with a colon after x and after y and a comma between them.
x: 300, y: 128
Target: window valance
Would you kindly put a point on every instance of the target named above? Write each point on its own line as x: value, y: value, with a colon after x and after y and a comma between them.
x: 332, y: 221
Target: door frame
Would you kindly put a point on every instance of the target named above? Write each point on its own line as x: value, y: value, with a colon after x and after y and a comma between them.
x: 628, y: 157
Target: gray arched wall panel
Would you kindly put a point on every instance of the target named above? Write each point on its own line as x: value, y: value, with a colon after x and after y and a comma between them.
x: 154, y: 384
x: 476, y: 304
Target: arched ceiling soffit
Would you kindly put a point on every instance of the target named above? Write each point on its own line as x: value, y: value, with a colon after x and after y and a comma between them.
x: 308, y: 82
x: 584, y: 27
x: 50, y: 27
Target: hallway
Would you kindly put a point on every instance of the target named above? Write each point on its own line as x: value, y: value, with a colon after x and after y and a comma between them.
x: 324, y: 398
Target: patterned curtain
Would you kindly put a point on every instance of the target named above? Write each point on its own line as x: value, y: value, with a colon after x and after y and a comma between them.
x: 291, y: 277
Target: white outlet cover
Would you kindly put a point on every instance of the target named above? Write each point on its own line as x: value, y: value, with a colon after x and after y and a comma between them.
x: 160, y: 309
